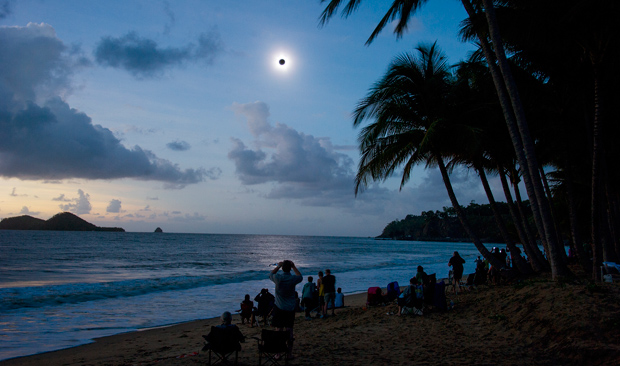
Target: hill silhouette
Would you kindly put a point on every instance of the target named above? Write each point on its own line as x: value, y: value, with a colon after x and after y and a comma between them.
x: 64, y: 221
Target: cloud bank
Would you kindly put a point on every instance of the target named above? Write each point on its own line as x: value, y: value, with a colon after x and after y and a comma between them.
x: 143, y: 57
x: 44, y: 138
x: 314, y: 172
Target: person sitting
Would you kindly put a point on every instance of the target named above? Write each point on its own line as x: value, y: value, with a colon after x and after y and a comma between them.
x: 231, y: 335
x: 247, y: 310
x: 339, y: 302
x: 421, y: 276
x: 265, y: 302
x: 411, y: 296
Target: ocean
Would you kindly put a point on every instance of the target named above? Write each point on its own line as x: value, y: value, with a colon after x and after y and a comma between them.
x: 63, y: 289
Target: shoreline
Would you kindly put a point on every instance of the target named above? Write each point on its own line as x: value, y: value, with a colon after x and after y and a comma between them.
x: 536, y: 322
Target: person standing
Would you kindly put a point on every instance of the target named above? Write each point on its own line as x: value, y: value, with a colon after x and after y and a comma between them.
x: 329, y: 288
x: 308, y: 293
x: 321, y: 288
x: 284, y: 309
x: 456, y: 262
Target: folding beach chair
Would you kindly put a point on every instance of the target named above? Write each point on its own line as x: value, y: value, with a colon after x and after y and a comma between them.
x: 274, y: 346
x: 222, y: 343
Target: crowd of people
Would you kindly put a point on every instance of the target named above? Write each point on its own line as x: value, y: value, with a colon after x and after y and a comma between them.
x: 280, y: 308
x: 319, y: 298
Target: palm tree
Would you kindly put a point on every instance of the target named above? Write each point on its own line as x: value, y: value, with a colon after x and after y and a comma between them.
x: 412, y: 124
x: 509, y: 98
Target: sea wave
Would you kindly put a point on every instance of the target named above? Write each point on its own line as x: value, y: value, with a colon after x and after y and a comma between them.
x: 54, y: 295
x: 42, y: 296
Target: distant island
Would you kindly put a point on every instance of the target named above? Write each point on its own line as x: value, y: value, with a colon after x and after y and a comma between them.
x: 64, y: 221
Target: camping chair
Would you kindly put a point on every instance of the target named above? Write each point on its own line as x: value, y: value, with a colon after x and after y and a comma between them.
x: 246, y: 312
x: 429, y: 288
x: 222, y: 342
x: 274, y: 346
x: 375, y: 296
x: 393, y: 290
x: 266, y: 313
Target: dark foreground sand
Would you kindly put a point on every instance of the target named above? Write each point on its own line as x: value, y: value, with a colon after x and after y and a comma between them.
x: 538, y: 322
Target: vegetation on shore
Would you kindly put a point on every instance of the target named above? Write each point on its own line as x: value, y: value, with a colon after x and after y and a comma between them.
x: 64, y: 221
x: 445, y: 226
x: 533, y: 104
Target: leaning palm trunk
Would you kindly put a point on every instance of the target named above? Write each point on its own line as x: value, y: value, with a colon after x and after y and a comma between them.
x: 528, y: 159
x: 537, y: 260
x: 511, y: 123
x: 518, y: 261
x: 522, y: 213
x: 551, y: 210
x: 461, y: 215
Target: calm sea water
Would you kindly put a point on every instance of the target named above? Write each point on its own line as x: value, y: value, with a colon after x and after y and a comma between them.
x: 62, y: 289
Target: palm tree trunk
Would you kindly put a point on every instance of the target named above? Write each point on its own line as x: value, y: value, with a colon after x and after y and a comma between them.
x: 461, y: 215
x: 556, y: 229
x: 511, y: 123
x: 518, y: 261
x: 597, y: 197
x: 535, y: 190
x: 584, y: 259
x: 537, y: 260
x: 520, y: 206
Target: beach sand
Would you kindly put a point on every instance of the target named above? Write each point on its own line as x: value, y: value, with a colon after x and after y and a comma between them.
x: 538, y: 322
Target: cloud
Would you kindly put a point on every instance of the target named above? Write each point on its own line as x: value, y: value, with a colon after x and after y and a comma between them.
x: 14, y: 193
x: 312, y: 171
x: 61, y: 198
x: 188, y: 217
x: 114, y: 206
x: 303, y: 166
x: 144, y: 58
x: 171, y: 18
x: 44, y: 138
x: 5, y: 9
x: 213, y: 173
x: 26, y: 211
x: 81, y: 205
x: 178, y: 146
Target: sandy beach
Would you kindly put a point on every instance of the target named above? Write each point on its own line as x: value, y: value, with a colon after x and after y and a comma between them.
x: 535, y: 322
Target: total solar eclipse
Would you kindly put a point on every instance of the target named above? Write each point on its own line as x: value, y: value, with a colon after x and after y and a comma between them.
x: 281, y: 62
